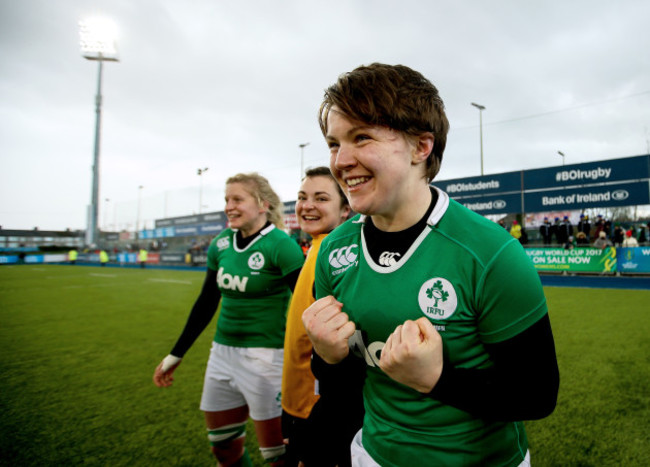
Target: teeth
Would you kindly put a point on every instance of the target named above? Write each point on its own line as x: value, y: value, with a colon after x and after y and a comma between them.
x: 356, y: 181
x: 310, y: 218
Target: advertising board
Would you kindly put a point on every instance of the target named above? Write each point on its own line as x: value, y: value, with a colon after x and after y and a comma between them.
x: 620, y: 194
x: 586, y: 259
x: 613, y: 170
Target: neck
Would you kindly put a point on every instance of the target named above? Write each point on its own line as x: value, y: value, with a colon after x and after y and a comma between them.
x: 408, y: 215
x: 254, y: 228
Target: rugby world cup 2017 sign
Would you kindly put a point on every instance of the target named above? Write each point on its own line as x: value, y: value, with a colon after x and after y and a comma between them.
x: 575, y: 260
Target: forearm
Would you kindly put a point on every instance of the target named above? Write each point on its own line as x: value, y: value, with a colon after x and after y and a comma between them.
x: 522, y: 384
x: 347, y: 376
x: 200, y: 316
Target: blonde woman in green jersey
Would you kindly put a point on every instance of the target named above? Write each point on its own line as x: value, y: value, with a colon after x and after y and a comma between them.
x: 443, y: 305
x: 252, y: 269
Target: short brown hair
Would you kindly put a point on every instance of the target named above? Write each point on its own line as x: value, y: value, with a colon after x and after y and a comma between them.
x: 394, y: 96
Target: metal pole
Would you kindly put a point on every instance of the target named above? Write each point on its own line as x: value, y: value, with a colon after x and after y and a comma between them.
x: 200, y: 173
x: 92, y: 234
x: 200, y: 190
x: 106, y: 201
x: 137, y: 220
x: 302, y: 157
x: 480, y: 119
x: 480, y: 108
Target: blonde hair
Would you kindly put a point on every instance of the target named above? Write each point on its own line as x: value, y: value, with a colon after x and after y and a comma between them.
x: 259, y: 187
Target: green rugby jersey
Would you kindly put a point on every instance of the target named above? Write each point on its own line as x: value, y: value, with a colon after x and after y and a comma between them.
x: 254, y: 298
x: 476, y: 285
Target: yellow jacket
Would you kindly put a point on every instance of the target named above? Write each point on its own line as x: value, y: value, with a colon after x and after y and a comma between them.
x: 298, y: 382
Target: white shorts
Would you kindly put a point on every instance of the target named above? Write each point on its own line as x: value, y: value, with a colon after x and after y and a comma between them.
x: 361, y: 458
x: 238, y: 376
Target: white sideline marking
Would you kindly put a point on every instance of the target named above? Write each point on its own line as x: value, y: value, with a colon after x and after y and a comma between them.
x: 175, y: 281
x: 102, y: 275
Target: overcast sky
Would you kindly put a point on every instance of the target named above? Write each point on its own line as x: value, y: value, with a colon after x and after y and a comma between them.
x: 235, y: 87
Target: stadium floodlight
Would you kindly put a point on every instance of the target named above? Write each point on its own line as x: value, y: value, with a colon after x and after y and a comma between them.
x: 561, y: 154
x: 480, y: 108
x: 97, y: 40
x: 302, y: 158
x: 200, y: 172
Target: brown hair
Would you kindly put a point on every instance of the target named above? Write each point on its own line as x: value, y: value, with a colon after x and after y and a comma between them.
x: 326, y: 172
x: 260, y: 188
x: 394, y: 96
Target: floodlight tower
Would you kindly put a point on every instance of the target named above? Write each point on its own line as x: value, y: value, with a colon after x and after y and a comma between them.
x: 480, y: 108
x: 200, y: 173
x: 97, y: 39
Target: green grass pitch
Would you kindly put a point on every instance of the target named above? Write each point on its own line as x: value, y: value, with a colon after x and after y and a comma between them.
x: 79, y: 346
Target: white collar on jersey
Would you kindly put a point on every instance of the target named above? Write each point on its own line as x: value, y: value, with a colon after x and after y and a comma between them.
x: 442, y: 203
x: 261, y: 234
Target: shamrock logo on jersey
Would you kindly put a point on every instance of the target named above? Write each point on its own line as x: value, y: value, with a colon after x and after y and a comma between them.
x: 437, y: 293
x: 256, y: 261
x: 437, y: 298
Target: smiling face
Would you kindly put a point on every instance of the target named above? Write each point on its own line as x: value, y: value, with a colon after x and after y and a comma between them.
x: 380, y: 170
x: 243, y: 210
x: 319, y: 207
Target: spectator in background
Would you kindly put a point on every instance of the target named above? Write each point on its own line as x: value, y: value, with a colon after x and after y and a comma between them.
x: 602, y: 241
x: 630, y: 241
x: 515, y: 230
x: 313, y: 437
x: 142, y: 257
x: 252, y: 268
x: 570, y: 243
x: 72, y: 256
x: 584, y: 225
x: 524, y: 237
x: 103, y: 257
x: 599, y: 226
x: 619, y: 235
x: 608, y: 228
x: 545, y: 231
x: 555, y: 230
x: 642, y: 234
x: 582, y: 239
x: 502, y: 223
x: 565, y: 230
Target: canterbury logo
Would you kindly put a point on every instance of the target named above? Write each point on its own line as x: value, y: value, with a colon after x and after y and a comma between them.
x: 388, y: 259
x: 342, y: 257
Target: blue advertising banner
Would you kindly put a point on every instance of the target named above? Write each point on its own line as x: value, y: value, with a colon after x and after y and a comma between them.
x: 195, y: 219
x: 634, y: 260
x: 289, y: 207
x: 621, y: 194
x: 495, y: 204
x: 613, y: 170
x: 481, y: 185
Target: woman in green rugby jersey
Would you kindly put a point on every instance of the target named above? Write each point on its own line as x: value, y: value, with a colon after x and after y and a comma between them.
x: 443, y: 305
x: 252, y: 268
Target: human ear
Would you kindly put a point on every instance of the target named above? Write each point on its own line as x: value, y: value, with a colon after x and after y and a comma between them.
x: 423, y: 148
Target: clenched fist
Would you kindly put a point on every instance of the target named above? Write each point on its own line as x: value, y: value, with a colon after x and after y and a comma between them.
x: 413, y: 355
x: 328, y: 329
